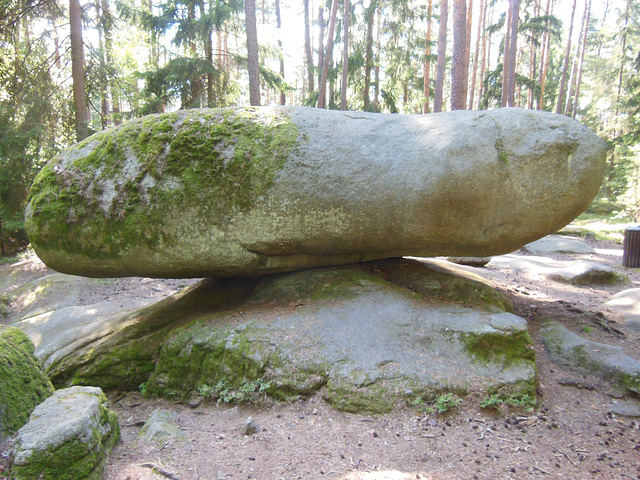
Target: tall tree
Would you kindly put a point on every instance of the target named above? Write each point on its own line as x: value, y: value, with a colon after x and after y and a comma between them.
x: 565, y: 68
x: 307, y: 48
x: 581, y: 66
x: 252, y: 52
x: 283, y: 97
x: 460, y: 63
x: 322, y: 88
x: 370, y: 15
x: 510, y: 51
x: 345, y: 56
x: 77, y: 71
x: 479, y: 39
x: 427, y: 60
x: 442, y: 56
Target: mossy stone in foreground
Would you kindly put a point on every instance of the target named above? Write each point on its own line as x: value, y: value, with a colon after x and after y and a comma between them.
x: 23, y: 382
x: 68, y: 437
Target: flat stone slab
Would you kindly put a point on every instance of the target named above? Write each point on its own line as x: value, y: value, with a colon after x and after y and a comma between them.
x: 59, y: 332
x: 254, y: 191
x: 69, y: 435
x: 367, y: 336
x: 579, y: 354
x: 581, y: 272
x: 554, y: 244
x: 627, y: 303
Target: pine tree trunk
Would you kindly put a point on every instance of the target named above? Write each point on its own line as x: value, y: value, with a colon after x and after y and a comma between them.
x: 345, y: 57
x: 458, y: 80
x: 506, y: 58
x: 322, y: 94
x: 307, y: 48
x: 77, y: 71
x: 544, y: 60
x: 252, y: 52
x: 624, y: 48
x: 376, y: 90
x: 513, y: 49
x: 565, y: 68
x: 584, y: 48
x: 442, y: 56
x: 467, y: 54
x: 474, y: 70
x: 368, y: 58
x: 427, y: 60
x: 486, y: 50
x: 320, y: 45
x: 283, y: 98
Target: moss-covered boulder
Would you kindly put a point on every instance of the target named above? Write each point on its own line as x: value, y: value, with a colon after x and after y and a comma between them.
x: 68, y: 437
x: 23, y: 382
x: 368, y: 337
x: 253, y: 191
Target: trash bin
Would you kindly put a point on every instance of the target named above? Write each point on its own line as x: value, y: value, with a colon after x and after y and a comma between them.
x: 631, y: 247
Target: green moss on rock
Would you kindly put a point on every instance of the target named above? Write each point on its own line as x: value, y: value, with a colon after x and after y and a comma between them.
x: 118, y: 188
x: 24, y: 382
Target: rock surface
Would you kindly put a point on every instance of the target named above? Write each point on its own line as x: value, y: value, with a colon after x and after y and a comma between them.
x: 23, y: 382
x: 255, y: 191
x: 580, y: 272
x: 368, y: 336
x: 627, y: 303
x: 585, y: 356
x: 552, y: 244
x: 67, y: 437
x: 159, y: 427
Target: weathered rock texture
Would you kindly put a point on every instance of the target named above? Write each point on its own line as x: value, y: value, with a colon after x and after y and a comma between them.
x: 68, y: 437
x: 23, y: 382
x: 256, y: 191
x: 367, y: 337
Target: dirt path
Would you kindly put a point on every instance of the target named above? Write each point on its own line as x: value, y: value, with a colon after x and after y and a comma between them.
x: 572, y: 435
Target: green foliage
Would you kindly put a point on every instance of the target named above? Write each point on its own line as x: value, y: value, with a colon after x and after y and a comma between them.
x: 447, y: 402
x: 224, y: 392
x: 496, y: 401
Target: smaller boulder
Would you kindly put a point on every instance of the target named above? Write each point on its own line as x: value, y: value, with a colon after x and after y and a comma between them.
x: 68, y: 437
x: 160, y: 427
x: 627, y: 303
x: 554, y: 244
x: 575, y: 353
x: 587, y: 273
x: 23, y: 382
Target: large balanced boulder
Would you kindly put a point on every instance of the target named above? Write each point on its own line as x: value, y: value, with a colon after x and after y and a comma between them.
x: 252, y: 191
x: 23, y: 382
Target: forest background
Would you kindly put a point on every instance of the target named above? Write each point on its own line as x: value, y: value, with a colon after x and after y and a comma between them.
x: 70, y: 69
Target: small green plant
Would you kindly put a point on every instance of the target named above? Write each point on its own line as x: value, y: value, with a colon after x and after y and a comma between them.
x: 587, y: 329
x: 225, y: 393
x: 496, y: 401
x: 447, y: 402
x: 143, y: 389
x: 4, y: 306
